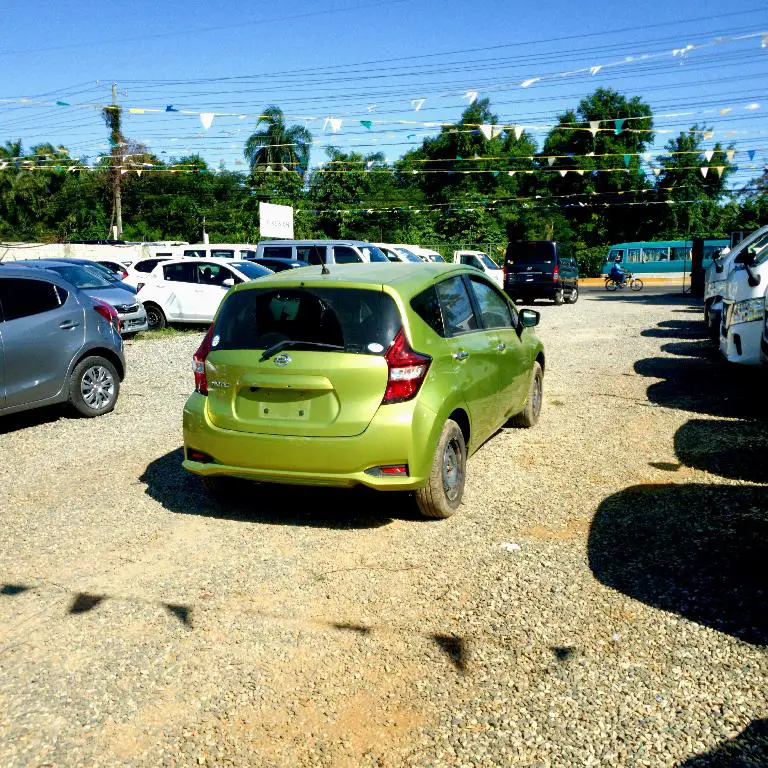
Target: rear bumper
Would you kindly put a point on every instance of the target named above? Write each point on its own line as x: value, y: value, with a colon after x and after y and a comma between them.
x: 403, y: 433
x: 544, y: 290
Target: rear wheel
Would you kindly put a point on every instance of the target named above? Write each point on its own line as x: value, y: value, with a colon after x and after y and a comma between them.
x: 530, y: 414
x: 573, y: 296
x: 611, y: 284
x: 636, y: 284
x: 442, y: 495
x: 93, y: 387
x: 559, y: 298
x: 155, y: 317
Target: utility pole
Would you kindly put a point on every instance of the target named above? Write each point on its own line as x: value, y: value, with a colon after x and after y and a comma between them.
x: 116, y: 138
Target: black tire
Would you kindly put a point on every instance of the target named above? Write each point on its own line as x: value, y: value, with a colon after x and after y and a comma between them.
x: 573, y: 296
x: 559, y: 298
x: 442, y: 495
x: 155, y: 317
x: 714, y: 320
x: 611, y: 284
x: 530, y: 414
x: 94, y: 387
x: 636, y: 284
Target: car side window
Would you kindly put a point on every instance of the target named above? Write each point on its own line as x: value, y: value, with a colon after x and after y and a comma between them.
x: 147, y: 265
x: 458, y: 315
x: 494, y: 308
x: 277, y: 252
x: 427, y: 306
x: 314, y: 254
x: 343, y: 254
x: 198, y: 253
x: 214, y: 274
x: 22, y: 297
x: 180, y: 273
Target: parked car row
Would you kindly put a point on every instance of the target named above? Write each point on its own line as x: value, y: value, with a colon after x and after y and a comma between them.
x: 736, y: 300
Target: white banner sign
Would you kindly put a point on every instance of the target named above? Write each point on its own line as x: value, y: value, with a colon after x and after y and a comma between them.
x: 276, y: 220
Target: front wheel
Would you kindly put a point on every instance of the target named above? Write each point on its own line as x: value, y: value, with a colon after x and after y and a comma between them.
x: 441, y: 497
x: 611, y: 284
x: 93, y: 387
x: 636, y: 284
x: 155, y: 317
x: 573, y: 296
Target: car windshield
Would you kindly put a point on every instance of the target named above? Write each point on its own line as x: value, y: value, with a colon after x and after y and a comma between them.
x: 436, y: 257
x: 374, y: 254
x: 82, y: 277
x: 488, y: 262
x: 356, y: 320
x: 105, y: 272
x: 251, y: 271
x: 409, y: 255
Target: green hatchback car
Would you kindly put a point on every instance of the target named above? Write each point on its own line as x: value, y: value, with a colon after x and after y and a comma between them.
x: 370, y: 374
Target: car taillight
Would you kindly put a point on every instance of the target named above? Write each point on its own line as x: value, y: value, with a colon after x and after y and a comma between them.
x: 198, y: 363
x: 555, y: 274
x: 124, y: 274
x: 407, y: 370
x: 109, y: 313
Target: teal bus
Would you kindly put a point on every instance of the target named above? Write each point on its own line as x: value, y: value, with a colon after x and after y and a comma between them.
x: 660, y: 258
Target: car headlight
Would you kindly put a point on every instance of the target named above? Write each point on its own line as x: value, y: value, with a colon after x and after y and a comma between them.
x: 747, y: 311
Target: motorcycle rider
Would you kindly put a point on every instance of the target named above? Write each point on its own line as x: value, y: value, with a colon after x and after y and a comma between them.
x: 617, y: 273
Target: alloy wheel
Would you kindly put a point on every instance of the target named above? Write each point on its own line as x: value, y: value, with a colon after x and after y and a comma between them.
x: 97, y: 386
x: 452, y: 469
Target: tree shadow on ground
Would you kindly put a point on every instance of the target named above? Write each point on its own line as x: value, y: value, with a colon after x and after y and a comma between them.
x: 179, y: 491
x: 699, y: 551
x: 733, y: 449
x: 15, y: 422
x: 747, y: 750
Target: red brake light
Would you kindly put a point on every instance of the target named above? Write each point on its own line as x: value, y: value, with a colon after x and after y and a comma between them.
x: 108, y: 312
x: 555, y: 274
x: 198, y: 363
x: 124, y: 274
x: 407, y: 370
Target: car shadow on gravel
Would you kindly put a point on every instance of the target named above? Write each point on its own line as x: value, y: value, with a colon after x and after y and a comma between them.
x: 677, y: 329
x: 179, y: 491
x: 747, y: 750
x: 15, y: 422
x: 697, y: 550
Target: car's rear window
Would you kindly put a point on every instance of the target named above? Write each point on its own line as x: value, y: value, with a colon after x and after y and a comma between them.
x: 359, y: 321
x: 531, y: 252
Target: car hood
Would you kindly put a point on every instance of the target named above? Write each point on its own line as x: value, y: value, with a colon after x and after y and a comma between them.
x: 111, y: 295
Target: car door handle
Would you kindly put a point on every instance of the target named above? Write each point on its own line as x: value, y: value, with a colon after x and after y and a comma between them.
x: 462, y: 355
x: 501, y: 347
x: 67, y: 325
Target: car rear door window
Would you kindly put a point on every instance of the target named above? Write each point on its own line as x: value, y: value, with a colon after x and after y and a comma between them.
x: 277, y: 252
x: 214, y: 274
x: 427, y: 306
x: 186, y: 272
x: 198, y: 253
x: 352, y: 320
x: 458, y: 315
x: 343, y: 254
x: 147, y: 265
x: 313, y: 254
x: 494, y: 308
x: 222, y: 253
x: 22, y: 297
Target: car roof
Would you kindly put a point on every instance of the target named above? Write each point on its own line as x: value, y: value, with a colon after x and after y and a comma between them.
x: 315, y: 242
x: 406, y: 278
x: 22, y: 269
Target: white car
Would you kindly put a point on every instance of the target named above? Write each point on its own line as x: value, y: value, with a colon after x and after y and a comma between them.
x: 481, y: 261
x: 190, y: 290
x: 138, y: 270
x: 397, y: 253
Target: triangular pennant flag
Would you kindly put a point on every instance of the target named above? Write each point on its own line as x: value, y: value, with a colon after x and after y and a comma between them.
x: 580, y: 171
x: 138, y: 171
x: 595, y: 70
x: 627, y: 159
x: 459, y: 157
x: 511, y: 173
x: 206, y: 119
x: 647, y: 157
x: 751, y: 153
x: 619, y: 126
x: 563, y: 172
x: 708, y: 134
x: 335, y: 123
x: 528, y: 83
x: 753, y: 106
x: 366, y: 124
x: 268, y: 169
x: 487, y: 131
x: 123, y: 171
x: 730, y: 154
x: 170, y: 108
x: 495, y: 173
x: 62, y: 104
x: 594, y: 127
x: 471, y: 95
x: 726, y: 110
x: 518, y: 130
x: 656, y: 171
x: 496, y: 131
x: 417, y: 104
x: 551, y: 161
x: 709, y: 154
x: 719, y: 169
x: 371, y: 107
x: 704, y: 171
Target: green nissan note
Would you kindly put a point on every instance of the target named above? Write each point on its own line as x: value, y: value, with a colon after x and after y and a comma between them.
x: 373, y: 374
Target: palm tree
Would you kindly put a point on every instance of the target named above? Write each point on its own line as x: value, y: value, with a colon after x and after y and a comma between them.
x: 277, y: 144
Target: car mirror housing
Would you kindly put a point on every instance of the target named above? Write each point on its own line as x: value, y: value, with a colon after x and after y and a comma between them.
x: 528, y: 318
x: 228, y: 283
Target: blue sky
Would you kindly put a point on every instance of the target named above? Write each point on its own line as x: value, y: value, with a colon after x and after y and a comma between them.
x: 334, y: 60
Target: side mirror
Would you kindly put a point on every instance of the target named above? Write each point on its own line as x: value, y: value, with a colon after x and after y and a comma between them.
x: 753, y: 277
x: 528, y: 318
x: 228, y: 283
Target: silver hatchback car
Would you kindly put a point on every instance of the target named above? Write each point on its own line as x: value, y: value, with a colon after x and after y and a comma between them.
x: 56, y: 344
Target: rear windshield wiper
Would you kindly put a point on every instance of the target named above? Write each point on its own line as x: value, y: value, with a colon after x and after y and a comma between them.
x: 275, y: 348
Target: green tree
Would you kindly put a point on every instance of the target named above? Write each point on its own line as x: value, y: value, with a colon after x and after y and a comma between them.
x: 278, y: 145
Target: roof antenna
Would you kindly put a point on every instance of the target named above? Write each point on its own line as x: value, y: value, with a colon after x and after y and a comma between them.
x: 325, y: 270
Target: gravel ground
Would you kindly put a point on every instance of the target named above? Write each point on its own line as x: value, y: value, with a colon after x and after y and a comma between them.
x: 600, y: 599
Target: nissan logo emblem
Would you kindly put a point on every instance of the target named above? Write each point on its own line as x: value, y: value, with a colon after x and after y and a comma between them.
x: 282, y: 359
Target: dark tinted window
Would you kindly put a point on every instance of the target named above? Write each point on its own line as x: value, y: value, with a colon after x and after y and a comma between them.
x: 314, y: 254
x: 147, y: 265
x: 252, y: 271
x: 458, y: 315
x: 533, y: 251
x: 278, y: 252
x: 427, y: 306
x: 494, y: 309
x: 21, y: 297
x: 214, y: 274
x: 343, y: 254
x: 181, y: 273
x: 198, y: 253
x: 222, y: 253
x: 359, y: 321
x: 244, y: 254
